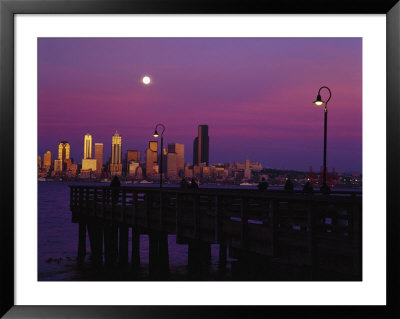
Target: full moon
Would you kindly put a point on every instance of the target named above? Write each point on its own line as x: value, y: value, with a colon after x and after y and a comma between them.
x: 146, y: 80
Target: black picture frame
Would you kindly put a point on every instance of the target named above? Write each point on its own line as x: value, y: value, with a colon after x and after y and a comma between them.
x: 8, y: 8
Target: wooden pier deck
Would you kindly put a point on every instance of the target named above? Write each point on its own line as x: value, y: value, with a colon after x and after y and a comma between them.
x: 321, y: 231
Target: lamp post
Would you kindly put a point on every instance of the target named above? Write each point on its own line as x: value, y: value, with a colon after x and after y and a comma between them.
x: 324, y: 188
x: 161, y: 152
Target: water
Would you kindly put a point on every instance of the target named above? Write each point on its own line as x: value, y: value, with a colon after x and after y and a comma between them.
x: 58, y: 242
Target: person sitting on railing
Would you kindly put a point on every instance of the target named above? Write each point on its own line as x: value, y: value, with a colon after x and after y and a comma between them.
x: 115, y: 184
x: 263, y: 185
x: 289, y: 187
x: 184, y: 184
x: 193, y: 184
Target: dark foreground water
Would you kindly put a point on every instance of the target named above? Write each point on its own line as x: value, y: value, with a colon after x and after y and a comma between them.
x: 58, y: 243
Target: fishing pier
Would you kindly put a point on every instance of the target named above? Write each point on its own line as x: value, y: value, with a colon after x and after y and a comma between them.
x: 322, y: 232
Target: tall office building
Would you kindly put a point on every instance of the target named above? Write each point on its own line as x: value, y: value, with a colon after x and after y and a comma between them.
x: 179, y: 149
x: 171, y: 165
x: 39, y: 162
x: 116, y: 155
x: 153, y: 146
x: 87, y: 148
x: 152, y: 158
x: 64, y: 150
x: 88, y: 163
x: 98, y: 155
x: 201, y: 146
x: 48, y: 160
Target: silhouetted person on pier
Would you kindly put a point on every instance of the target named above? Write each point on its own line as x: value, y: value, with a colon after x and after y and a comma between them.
x: 263, y: 185
x: 184, y: 184
x: 289, y: 187
x: 193, y: 184
x: 308, y: 188
x: 115, y: 183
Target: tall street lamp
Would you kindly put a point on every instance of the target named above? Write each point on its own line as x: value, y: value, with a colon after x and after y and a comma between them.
x: 324, y: 188
x: 161, y: 152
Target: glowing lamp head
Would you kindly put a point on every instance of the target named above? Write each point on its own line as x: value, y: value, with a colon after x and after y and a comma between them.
x: 318, y: 101
x: 155, y: 133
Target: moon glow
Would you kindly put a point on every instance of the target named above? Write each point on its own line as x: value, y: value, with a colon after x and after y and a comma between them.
x: 146, y: 80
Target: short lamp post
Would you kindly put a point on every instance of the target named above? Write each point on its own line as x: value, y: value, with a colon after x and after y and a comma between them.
x: 324, y: 188
x: 161, y: 152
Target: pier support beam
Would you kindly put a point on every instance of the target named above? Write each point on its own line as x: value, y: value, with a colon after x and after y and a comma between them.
x: 123, y: 245
x: 158, y: 255
x: 110, y: 244
x: 95, y: 231
x: 222, y: 257
x: 199, y: 255
x: 82, y: 242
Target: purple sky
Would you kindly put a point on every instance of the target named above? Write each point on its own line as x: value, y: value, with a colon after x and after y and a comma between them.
x: 255, y: 94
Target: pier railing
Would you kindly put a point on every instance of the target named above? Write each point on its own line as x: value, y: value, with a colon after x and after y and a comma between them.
x: 322, y: 231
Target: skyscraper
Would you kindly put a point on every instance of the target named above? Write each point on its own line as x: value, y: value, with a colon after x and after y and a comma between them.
x: 47, y: 160
x: 149, y: 162
x: 87, y: 148
x: 88, y: 163
x: 151, y: 158
x: 98, y: 155
x: 116, y: 155
x: 153, y: 146
x: 171, y: 165
x: 64, y: 151
x: 179, y: 149
x: 201, y: 146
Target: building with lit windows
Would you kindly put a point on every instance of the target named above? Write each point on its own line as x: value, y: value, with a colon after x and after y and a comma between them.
x: 116, y: 155
x: 179, y: 150
x: 48, y: 160
x: 87, y: 146
x: 64, y: 151
x: 98, y: 155
x: 171, y: 165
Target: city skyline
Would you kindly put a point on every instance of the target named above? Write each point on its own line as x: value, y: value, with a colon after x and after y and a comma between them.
x: 152, y: 151
x: 257, y: 99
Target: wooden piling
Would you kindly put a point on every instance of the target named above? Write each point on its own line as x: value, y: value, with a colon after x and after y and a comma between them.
x: 222, y: 256
x: 110, y: 244
x: 96, y: 241
x: 163, y: 255
x: 82, y: 242
x: 123, y: 244
x: 153, y: 255
x: 198, y: 258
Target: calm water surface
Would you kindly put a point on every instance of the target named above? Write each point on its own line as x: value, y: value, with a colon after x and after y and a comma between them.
x: 58, y: 240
